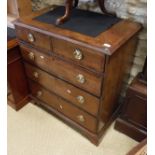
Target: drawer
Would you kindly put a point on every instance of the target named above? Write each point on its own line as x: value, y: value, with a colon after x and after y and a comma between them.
x: 34, y: 57
x: 80, y: 55
x: 64, y: 107
x: 34, y: 38
x: 78, y: 97
x: 74, y: 74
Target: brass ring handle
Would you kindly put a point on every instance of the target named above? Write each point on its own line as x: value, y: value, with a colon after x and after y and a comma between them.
x: 77, y: 54
x: 30, y: 37
x: 80, y: 78
x: 39, y: 93
x: 81, y: 118
x: 80, y: 99
x: 31, y: 55
x: 36, y: 74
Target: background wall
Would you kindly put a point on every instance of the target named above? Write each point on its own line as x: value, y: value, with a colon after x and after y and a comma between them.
x: 135, y: 10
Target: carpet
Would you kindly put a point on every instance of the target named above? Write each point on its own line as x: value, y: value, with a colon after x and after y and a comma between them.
x: 33, y: 131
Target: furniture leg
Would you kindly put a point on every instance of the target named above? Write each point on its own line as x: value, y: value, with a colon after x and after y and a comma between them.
x: 68, y: 9
x: 102, y: 6
x: 76, y: 3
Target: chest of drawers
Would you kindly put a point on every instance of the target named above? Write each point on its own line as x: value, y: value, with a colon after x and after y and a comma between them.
x: 133, y: 118
x: 75, y: 76
x: 18, y: 94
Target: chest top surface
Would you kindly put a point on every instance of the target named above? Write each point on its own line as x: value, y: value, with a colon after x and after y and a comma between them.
x: 92, y: 30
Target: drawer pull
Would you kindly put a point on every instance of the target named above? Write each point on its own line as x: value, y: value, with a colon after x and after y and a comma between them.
x: 81, y: 118
x: 80, y: 78
x: 81, y: 99
x: 31, y: 55
x: 30, y: 37
x: 78, y: 54
x: 39, y: 93
x: 36, y: 74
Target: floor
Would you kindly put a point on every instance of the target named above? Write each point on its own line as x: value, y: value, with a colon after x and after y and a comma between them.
x: 32, y: 131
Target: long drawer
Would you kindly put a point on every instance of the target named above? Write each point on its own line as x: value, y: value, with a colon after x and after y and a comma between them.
x: 76, y: 75
x: 63, y: 107
x: 78, y: 54
x: 73, y: 94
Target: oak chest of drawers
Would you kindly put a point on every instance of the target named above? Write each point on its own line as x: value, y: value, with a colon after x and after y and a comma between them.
x: 75, y: 76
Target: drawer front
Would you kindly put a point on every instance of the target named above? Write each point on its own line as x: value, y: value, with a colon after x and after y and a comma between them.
x: 34, y: 38
x: 80, y: 55
x: 64, y: 107
x: 76, y: 75
x: 33, y: 57
x: 78, y: 97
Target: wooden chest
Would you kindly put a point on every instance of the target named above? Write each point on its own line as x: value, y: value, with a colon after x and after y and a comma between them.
x: 75, y: 76
x: 18, y: 94
x: 133, y: 118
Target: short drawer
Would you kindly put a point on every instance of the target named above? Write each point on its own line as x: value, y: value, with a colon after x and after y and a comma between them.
x: 64, y: 107
x: 82, y: 78
x: 34, y: 57
x: 75, y: 95
x: 80, y: 55
x: 34, y: 38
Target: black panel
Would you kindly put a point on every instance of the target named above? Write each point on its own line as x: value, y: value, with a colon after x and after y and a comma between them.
x: 85, y: 22
x: 10, y: 33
